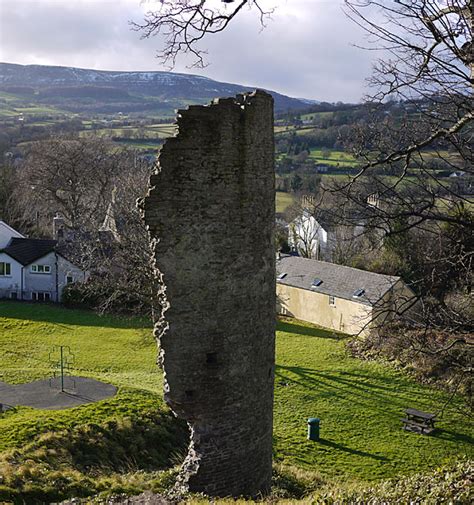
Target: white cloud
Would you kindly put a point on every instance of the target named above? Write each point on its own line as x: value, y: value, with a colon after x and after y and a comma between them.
x: 305, y: 50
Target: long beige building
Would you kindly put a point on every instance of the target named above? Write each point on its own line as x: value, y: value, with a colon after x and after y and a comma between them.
x: 341, y: 298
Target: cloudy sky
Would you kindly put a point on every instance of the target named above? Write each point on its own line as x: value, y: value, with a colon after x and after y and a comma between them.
x: 306, y: 50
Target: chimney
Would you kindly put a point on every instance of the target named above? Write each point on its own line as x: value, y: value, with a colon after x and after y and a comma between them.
x: 58, y: 227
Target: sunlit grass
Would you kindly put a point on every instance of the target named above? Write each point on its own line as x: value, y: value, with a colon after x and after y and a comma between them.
x: 283, y: 201
x: 360, y: 403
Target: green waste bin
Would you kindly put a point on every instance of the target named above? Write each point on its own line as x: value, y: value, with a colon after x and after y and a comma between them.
x: 313, y: 428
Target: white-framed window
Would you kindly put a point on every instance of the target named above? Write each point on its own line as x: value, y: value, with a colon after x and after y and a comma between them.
x: 41, y: 296
x: 5, y: 269
x: 40, y: 269
x: 332, y: 301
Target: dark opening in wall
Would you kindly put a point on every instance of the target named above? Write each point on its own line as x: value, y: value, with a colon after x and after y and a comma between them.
x: 189, y: 393
x: 211, y: 358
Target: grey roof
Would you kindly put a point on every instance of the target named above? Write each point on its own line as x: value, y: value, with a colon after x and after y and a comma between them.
x: 27, y: 250
x: 337, y: 280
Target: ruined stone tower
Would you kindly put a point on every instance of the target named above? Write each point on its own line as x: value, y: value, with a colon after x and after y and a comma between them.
x: 211, y: 209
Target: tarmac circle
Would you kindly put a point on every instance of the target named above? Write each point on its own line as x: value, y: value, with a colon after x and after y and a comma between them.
x: 46, y: 394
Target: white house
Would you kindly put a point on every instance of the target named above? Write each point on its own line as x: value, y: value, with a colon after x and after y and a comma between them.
x: 33, y: 269
x: 7, y: 233
x: 310, y: 238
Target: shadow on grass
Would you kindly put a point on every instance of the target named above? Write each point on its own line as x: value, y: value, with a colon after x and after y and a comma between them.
x: 452, y: 436
x: 309, y: 331
x: 356, y: 452
x: 58, y: 314
x: 374, y: 393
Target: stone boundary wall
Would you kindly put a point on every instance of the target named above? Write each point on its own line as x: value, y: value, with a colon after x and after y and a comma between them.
x: 211, y: 213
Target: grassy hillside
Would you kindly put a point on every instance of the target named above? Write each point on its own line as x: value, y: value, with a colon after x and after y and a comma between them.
x: 121, y: 351
x: 360, y: 404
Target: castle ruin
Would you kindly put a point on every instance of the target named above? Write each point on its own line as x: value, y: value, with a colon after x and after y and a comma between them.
x: 211, y: 212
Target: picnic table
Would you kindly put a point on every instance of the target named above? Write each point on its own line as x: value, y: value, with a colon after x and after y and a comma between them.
x: 419, y: 422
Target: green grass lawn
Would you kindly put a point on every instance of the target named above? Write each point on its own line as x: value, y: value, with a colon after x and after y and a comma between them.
x: 360, y: 403
x: 283, y: 201
x: 333, y: 157
x: 316, y: 115
x: 282, y: 129
x: 121, y: 351
x: 6, y: 111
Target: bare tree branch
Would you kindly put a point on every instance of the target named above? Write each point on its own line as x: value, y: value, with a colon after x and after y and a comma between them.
x: 185, y: 23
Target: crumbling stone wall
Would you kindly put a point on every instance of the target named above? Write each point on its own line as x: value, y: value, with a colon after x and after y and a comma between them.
x: 211, y: 209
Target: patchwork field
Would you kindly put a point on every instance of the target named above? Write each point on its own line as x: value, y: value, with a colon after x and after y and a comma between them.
x: 333, y: 157
x: 283, y: 201
x: 360, y: 405
x: 15, y: 106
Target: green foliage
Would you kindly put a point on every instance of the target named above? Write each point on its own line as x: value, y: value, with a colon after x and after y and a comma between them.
x: 447, y: 484
x: 76, y: 298
x: 398, y: 256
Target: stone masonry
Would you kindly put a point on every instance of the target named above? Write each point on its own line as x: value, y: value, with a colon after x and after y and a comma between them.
x: 210, y: 211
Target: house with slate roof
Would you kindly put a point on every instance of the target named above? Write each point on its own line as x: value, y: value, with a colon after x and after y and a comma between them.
x: 341, y: 298
x: 33, y: 269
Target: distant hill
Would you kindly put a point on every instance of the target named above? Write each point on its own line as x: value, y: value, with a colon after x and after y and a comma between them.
x: 77, y: 89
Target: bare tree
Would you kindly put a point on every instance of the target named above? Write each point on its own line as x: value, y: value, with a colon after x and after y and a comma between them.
x: 399, y: 189
x: 430, y: 67
x: 184, y: 24
x: 8, y: 181
x: 72, y: 176
x: 418, y: 132
x: 119, y: 256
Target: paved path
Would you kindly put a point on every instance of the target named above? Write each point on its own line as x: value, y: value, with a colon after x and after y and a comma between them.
x: 46, y: 394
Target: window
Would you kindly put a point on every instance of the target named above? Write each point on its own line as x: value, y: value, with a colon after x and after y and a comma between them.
x: 358, y: 293
x: 281, y: 276
x: 5, y: 269
x: 40, y: 269
x: 14, y: 295
x: 332, y: 301
x: 40, y: 296
x: 69, y: 279
x: 317, y: 282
